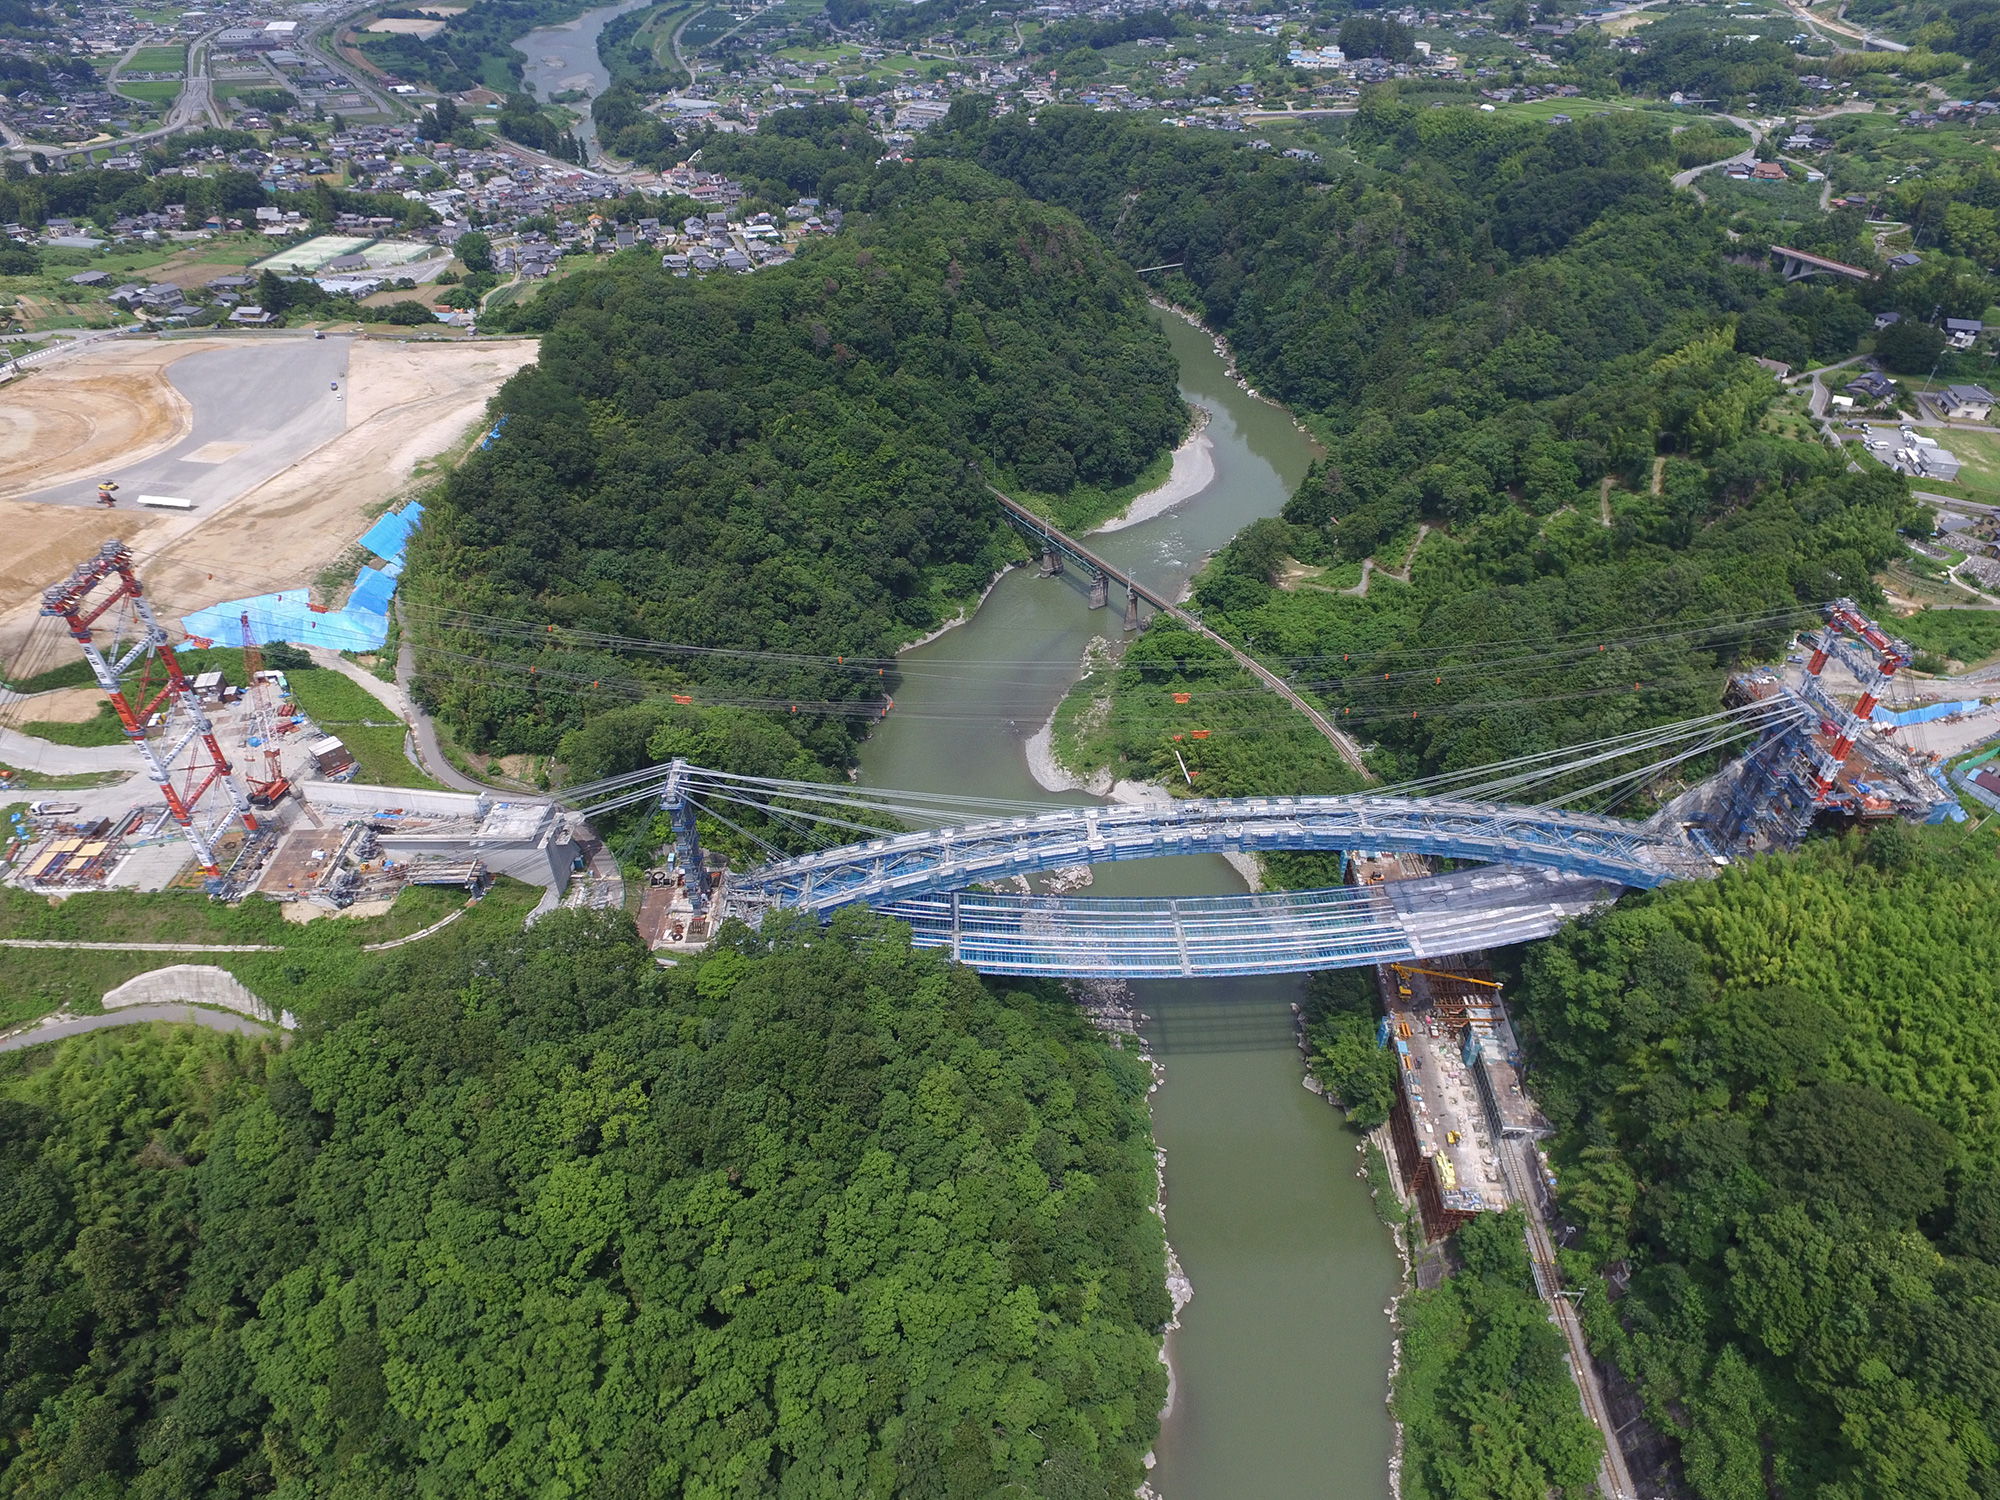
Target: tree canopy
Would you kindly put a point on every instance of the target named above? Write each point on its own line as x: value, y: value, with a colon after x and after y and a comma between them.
x: 816, y: 1215
x: 793, y: 462
x: 1777, y: 1103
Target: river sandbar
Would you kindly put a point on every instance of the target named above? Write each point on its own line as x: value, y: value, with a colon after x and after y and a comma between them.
x: 1193, y: 472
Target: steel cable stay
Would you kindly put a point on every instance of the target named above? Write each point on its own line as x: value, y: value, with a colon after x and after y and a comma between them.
x: 1279, y: 721
x: 579, y: 638
x: 1473, y: 783
x: 1657, y: 738
x: 765, y: 844
x: 1714, y: 743
x: 639, y: 688
x: 1639, y: 775
x: 1564, y: 753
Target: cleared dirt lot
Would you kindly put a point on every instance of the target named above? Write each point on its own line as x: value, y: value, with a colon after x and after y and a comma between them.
x: 405, y: 402
x: 109, y: 406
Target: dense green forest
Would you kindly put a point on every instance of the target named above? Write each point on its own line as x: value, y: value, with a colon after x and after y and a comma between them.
x: 1484, y: 1393
x: 1778, y: 1101
x: 816, y: 1215
x: 794, y: 463
x: 1530, y: 365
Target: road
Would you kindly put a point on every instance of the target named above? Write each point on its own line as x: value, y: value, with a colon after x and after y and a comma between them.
x: 317, y: 36
x: 258, y: 408
x: 1614, y: 1476
x: 193, y: 108
x: 137, y: 1015
x: 1746, y: 156
x: 1861, y: 35
x: 430, y: 754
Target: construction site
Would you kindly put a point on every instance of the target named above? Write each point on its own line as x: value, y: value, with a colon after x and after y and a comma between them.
x: 249, y: 796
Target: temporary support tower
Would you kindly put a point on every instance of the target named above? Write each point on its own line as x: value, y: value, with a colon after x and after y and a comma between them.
x: 136, y: 635
x: 674, y: 801
x: 269, y: 788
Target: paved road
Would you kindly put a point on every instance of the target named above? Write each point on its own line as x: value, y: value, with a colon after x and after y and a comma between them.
x: 137, y: 1015
x: 258, y: 409
x: 430, y: 753
x: 1747, y: 156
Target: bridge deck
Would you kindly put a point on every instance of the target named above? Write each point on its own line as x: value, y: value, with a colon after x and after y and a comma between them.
x: 938, y: 861
x: 1274, y: 933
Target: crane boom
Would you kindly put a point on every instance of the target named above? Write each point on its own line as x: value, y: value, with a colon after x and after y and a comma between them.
x: 1490, y: 984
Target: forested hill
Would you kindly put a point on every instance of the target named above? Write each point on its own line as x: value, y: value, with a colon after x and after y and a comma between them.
x: 794, y: 461
x: 1531, y: 363
x: 1779, y: 1109
x: 816, y: 1215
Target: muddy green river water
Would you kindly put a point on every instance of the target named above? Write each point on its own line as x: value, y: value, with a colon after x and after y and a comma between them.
x: 1281, y: 1361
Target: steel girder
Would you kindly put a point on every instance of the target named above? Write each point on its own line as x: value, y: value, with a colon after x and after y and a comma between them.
x: 1276, y: 933
x: 936, y: 861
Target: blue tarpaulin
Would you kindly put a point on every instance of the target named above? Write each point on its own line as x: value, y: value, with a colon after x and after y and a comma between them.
x: 371, y: 591
x: 287, y: 616
x: 361, y: 625
x: 388, y: 536
x: 1924, y: 715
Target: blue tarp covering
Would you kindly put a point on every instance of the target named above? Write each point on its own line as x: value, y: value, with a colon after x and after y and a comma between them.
x: 388, y: 536
x: 1924, y: 715
x: 372, y: 591
x: 362, y: 625
x: 285, y: 617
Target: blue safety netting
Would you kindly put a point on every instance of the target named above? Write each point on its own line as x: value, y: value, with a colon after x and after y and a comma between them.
x: 388, y: 536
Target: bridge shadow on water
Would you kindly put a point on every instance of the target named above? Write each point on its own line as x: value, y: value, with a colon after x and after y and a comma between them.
x: 1227, y: 1015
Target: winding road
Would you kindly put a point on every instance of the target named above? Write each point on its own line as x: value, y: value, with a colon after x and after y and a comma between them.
x: 137, y: 1015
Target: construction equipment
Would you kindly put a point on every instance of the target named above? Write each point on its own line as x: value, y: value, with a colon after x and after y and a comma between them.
x: 270, y: 788
x: 1491, y: 984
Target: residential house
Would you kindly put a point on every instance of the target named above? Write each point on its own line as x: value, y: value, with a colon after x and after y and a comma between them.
x: 1961, y: 403
x: 1963, y: 332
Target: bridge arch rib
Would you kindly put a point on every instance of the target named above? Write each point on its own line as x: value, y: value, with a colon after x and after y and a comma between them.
x: 935, y: 862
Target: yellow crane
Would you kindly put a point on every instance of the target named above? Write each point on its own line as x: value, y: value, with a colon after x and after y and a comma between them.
x: 1404, y: 969
x: 1491, y: 984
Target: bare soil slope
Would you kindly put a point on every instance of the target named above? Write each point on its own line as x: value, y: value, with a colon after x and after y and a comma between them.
x: 406, y: 401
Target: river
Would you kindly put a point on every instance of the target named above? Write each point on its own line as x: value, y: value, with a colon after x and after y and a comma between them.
x: 1281, y: 1360
x: 560, y: 58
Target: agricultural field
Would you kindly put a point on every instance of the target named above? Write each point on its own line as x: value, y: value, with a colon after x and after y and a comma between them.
x: 161, y: 92
x: 157, y: 60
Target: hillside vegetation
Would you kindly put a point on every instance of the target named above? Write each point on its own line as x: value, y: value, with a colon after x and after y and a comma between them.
x: 792, y: 462
x: 1779, y: 1106
x: 530, y: 1215
x: 1529, y: 362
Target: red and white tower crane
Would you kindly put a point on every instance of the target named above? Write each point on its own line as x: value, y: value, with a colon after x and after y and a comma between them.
x: 206, y: 798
